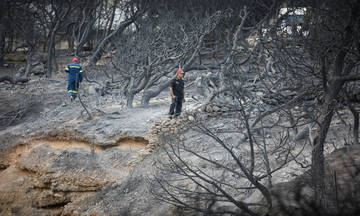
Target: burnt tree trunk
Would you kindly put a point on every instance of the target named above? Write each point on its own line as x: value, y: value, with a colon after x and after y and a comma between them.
x: 129, y: 100
x: 50, y: 55
x: 332, y: 84
x: 100, y: 49
x: 28, y: 62
x: 71, y: 43
x: 13, y: 80
x: 317, y: 159
x: 51, y: 49
x: 145, y: 100
x: 356, y: 128
x: 2, y: 43
x: 356, y: 124
x: 32, y: 49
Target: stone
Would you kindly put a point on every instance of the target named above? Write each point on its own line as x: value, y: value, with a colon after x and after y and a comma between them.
x: 225, y: 109
x: 216, y: 108
x: 22, y: 70
x: 92, y: 90
x: 38, y: 69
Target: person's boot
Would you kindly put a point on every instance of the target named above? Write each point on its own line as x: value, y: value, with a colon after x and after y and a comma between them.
x: 72, y: 97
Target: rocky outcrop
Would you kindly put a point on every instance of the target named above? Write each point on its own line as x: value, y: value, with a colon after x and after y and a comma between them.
x: 179, y: 125
x: 37, y: 65
x: 343, y: 179
x: 342, y: 183
x: 173, y: 126
x: 43, y: 176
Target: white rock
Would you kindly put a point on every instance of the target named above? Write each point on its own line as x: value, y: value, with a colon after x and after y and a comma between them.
x: 191, y: 118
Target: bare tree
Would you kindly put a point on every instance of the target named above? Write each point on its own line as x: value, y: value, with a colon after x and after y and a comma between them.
x: 146, y: 56
x: 156, y: 59
x: 7, y: 33
x: 3, y: 22
x: 50, y: 17
x: 81, y: 25
x: 313, y: 62
x: 27, y: 30
x: 307, y: 66
x: 102, y: 46
x: 94, y: 22
x: 25, y: 34
x: 231, y: 162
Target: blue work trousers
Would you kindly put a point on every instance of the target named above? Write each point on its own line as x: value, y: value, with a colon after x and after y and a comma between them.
x: 73, y: 88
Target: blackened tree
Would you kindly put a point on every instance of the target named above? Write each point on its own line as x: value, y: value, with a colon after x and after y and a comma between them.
x: 315, y: 60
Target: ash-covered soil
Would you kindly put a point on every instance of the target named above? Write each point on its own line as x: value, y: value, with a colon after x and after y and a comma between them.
x: 55, y: 160
x: 43, y: 104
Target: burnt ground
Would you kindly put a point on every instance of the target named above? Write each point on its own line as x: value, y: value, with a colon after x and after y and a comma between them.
x: 17, y: 109
x: 25, y: 102
x: 43, y: 105
x: 37, y: 121
x: 43, y: 132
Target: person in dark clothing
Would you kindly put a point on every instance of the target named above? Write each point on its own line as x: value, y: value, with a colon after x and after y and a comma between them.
x: 75, y: 78
x: 177, y: 94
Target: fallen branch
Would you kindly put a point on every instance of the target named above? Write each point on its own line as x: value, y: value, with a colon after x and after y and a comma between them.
x: 14, y: 80
x: 84, y: 106
x: 8, y: 118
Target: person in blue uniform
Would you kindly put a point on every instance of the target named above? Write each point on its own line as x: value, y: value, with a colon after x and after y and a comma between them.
x: 177, y: 94
x: 75, y: 78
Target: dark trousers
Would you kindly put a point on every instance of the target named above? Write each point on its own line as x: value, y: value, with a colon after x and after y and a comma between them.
x: 176, y: 105
x: 72, y: 88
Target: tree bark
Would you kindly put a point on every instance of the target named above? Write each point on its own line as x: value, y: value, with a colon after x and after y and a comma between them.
x: 100, y: 50
x: 145, y: 100
x: 71, y: 44
x: 332, y: 84
x: 356, y: 124
x: 2, y: 43
x: 50, y: 56
x: 317, y: 159
x: 28, y: 62
x: 13, y: 80
x: 356, y: 128
x: 111, y: 21
x: 151, y: 94
x: 129, y: 100
x: 51, y: 49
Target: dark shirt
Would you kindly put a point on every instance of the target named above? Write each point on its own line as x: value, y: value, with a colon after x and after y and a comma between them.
x: 178, y: 87
x: 75, y: 72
